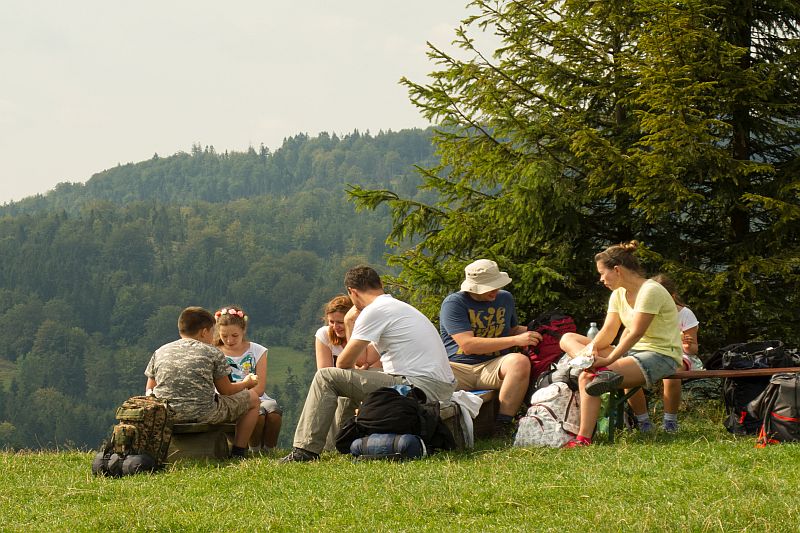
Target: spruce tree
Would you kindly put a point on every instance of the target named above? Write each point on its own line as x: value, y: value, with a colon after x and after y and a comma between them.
x: 596, y: 122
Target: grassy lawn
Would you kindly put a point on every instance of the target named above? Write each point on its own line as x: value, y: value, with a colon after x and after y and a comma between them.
x: 701, y: 479
x: 279, y: 359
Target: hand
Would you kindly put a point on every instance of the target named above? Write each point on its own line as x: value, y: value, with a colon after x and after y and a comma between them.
x: 250, y: 381
x: 600, y: 362
x: 528, y: 338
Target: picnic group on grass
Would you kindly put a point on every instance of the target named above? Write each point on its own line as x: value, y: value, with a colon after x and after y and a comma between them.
x: 214, y: 374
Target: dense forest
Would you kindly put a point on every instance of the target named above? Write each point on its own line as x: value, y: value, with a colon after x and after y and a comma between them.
x: 93, y: 275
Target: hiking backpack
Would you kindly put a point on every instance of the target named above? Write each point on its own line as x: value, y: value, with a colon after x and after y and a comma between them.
x: 551, y: 326
x: 553, y: 418
x: 140, y: 439
x: 398, y: 410
x: 778, y: 408
x: 737, y: 393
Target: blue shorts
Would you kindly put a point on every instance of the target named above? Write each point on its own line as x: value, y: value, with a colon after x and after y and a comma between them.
x: 654, y: 366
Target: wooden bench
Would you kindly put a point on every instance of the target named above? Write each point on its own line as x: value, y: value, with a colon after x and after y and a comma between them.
x: 483, y: 424
x: 616, y: 404
x: 197, y: 441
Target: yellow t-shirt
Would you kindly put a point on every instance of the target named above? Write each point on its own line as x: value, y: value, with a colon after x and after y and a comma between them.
x: 663, y: 336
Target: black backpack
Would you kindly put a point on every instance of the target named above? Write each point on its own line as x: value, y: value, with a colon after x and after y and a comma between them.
x: 778, y: 408
x: 737, y: 393
x: 386, y: 410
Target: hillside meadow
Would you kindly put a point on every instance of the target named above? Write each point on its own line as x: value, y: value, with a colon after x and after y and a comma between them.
x: 702, y: 479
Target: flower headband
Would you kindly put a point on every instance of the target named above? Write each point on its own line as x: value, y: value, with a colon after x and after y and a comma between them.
x: 231, y: 311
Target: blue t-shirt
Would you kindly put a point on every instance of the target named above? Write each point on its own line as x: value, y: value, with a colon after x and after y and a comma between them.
x: 460, y: 313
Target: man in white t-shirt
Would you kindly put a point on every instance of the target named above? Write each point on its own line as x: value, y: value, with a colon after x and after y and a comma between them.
x: 411, y: 351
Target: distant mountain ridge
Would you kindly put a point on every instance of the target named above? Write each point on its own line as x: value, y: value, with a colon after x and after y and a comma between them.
x: 301, y: 163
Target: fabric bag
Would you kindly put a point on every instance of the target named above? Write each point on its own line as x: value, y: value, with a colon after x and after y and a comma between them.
x: 553, y: 418
x: 551, y: 326
x: 737, y: 393
x: 140, y: 439
x: 778, y: 408
x: 754, y: 354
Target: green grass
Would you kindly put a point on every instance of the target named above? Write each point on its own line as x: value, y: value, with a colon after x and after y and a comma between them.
x: 280, y: 358
x: 701, y: 479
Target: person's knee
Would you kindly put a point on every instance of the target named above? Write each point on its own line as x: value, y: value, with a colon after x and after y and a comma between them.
x: 517, y: 365
x: 252, y: 399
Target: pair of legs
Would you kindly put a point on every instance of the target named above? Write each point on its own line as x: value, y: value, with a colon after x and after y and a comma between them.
x: 265, y: 434
x: 509, y: 374
x: 331, y: 383
x: 345, y: 410
x: 672, y: 398
x: 632, y: 376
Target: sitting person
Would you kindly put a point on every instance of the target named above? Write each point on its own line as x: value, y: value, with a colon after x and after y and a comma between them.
x: 185, y: 372
x: 245, y: 357
x: 480, y: 331
x: 329, y: 341
x: 689, y: 326
x: 411, y: 351
x: 649, y: 348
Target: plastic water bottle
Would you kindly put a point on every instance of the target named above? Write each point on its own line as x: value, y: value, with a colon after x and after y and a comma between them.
x: 593, y: 331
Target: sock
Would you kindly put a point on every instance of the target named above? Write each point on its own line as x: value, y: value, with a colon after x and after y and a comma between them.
x: 671, y: 417
x: 644, y: 417
x: 236, y: 451
x: 505, y: 419
x: 581, y: 438
x: 255, y: 449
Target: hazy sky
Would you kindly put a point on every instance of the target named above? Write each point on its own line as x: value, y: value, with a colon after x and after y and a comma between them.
x: 87, y: 84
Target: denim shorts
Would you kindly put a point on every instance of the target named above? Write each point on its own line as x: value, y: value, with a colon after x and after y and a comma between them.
x: 654, y: 366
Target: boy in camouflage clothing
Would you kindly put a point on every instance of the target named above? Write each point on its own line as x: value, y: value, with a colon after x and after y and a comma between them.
x: 186, y: 372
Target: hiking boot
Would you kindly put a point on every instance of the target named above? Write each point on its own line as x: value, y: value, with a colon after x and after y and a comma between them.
x: 670, y: 426
x: 503, y: 430
x: 299, y: 455
x: 604, y: 381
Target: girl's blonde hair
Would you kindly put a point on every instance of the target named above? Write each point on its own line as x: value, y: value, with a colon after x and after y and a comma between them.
x: 340, y: 304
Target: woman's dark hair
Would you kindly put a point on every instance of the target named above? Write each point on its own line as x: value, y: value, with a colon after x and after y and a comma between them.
x: 622, y: 254
x: 672, y: 289
x: 362, y: 278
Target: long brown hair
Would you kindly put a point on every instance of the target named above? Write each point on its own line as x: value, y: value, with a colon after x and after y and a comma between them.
x: 340, y: 304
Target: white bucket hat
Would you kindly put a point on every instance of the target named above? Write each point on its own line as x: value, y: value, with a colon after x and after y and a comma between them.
x: 483, y: 276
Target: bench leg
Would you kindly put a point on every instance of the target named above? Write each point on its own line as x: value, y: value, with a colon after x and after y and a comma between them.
x: 615, y: 410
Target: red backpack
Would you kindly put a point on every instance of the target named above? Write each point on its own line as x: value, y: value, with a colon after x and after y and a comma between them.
x: 551, y: 326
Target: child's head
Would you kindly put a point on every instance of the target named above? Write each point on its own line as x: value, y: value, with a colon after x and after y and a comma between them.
x: 334, y: 318
x: 193, y: 321
x: 668, y: 284
x: 231, y: 325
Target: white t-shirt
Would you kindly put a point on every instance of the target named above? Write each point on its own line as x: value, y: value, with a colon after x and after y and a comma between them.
x: 246, y: 363
x: 408, y: 343
x: 322, y: 335
x: 688, y: 320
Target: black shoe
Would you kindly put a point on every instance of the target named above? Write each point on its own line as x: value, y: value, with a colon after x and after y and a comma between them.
x: 503, y: 430
x: 299, y: 455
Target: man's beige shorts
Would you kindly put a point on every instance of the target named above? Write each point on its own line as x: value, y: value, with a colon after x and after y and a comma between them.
x: 480, y: 376
x: 229, y: 408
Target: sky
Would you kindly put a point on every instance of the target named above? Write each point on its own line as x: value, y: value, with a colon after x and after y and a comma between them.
x: 89, y: 84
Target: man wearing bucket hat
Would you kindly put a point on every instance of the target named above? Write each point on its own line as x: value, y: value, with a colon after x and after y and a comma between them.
x: 480, y: 330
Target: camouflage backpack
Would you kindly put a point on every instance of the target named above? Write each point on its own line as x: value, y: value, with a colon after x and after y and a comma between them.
x: 140, y: 440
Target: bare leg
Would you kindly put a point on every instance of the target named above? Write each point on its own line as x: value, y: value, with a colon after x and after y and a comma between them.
x: 246, y: 423
x: 672, y: 395
x: 255, y: 437
x: 515, y: 371
x: 272, y: 428
x: 638, y: 402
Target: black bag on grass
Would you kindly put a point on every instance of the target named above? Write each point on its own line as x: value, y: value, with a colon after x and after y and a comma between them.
x: 778, y: 408
x: 737, y: 393
x: 386, y: 410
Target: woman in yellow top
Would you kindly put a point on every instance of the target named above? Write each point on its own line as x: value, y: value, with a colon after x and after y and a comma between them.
x: 649, y: 348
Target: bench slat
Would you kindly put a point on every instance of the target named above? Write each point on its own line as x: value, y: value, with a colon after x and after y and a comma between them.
x: 749, y: 373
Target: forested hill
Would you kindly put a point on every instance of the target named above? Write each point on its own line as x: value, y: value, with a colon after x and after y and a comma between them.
x: 92, y: 277
x: 301, y: 163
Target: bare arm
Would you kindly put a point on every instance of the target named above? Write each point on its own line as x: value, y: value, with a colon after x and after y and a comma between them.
x: 472, y: 345
x: 323, y: 354
x: 351, y: 353
x: 689, y: 341
x: 629, y: 337
x: 151, y: 384
x: 225, y: 386
x: 261, y: 372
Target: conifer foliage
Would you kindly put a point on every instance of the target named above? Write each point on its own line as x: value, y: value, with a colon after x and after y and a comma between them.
x: 597, y: 121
